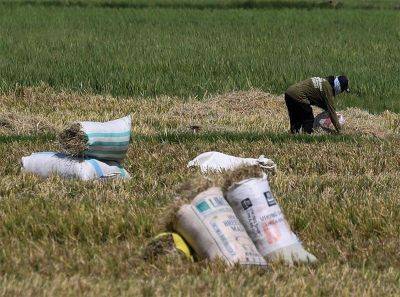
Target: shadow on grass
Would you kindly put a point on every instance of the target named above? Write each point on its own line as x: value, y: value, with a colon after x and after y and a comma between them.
x: 207, y: 137
x: 177, y: 4
x: 210, y: 137
x: 26, y: 138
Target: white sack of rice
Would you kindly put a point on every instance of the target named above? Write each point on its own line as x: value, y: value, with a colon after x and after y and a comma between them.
x: 104, y: 141
x: 323, y: 120
x: 211, y: 228
x: 218, y: 162
x: 254, y: 205
x: 52, y: 163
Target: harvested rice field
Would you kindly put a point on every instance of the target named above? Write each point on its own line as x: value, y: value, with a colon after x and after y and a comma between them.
x: 197, y: 76
x: 66, y: 238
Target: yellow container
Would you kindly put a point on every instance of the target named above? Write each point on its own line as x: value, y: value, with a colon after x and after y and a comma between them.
x: 179, y: 243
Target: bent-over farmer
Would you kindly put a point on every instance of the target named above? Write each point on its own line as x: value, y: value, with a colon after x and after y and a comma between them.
x: 315, y: 91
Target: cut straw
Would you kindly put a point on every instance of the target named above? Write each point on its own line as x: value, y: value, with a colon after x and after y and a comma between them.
x: 73, y: 140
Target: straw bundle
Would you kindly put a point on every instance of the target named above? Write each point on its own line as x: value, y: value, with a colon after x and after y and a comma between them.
x: 159, y: 246
x: 73, y: 140
x: 184, y: 195
x: 242, y: 173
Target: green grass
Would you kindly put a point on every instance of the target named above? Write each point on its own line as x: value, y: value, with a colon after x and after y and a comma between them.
x: 213, y: 4
x: 192, y: 52
x: 26, y: 138
x: 211, y: 137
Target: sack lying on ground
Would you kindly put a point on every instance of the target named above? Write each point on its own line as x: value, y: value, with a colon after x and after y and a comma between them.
x: 167, y: 243
x: 254, y: 205
x: 48, y: 163
x: 324, y: 121
x: 106, y: 141
x: 211, y: 228
x: 218, y: 162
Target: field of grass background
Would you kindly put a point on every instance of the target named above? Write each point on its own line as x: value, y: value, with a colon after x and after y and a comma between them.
x: 182, y: 52
x: 339, y: 192
x: 216, y: 4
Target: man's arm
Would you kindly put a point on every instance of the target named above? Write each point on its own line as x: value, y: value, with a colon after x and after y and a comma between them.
x: 328, y: 98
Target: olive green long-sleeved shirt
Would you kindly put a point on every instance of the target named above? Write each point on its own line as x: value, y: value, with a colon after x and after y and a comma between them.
x: 315, y: 91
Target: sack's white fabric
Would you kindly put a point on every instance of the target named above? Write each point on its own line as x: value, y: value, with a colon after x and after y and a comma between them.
x: 109, y: 140
x: 211, y: 228
x: 217, y: 162
x: 324, y: 121
x: 48, y: 163
x: 260, y: 214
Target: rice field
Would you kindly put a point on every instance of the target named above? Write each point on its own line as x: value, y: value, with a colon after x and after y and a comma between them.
x: 60, y: 237
x: 189, y: 51
x: 223, y: 66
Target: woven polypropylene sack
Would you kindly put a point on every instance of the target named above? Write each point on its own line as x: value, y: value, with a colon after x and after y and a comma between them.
x: 217, y: 162
x: 264, y: 221
x: 211, y: 228
x: 52, y: 163
x: 324, y: 121
x: 108, y: 140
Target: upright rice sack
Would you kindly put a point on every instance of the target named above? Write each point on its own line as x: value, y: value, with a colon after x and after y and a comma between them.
x: 211, y: 228
x: 104, y: 141
x: 50, y: 163
x: 253, y: 203
x: 109, y: 140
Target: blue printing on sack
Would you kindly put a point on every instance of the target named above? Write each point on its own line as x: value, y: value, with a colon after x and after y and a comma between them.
x: 96, y: 167
x: 202, y: 206
x: 122, y: 170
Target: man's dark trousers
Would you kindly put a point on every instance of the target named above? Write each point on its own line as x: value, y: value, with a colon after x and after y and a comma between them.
x: 300, y: 115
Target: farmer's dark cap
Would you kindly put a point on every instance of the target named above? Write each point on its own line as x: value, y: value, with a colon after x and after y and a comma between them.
x: 344, y: 83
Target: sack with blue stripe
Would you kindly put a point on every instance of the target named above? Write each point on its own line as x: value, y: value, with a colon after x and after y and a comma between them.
x: 46, y: 164
x: 104, y: 141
